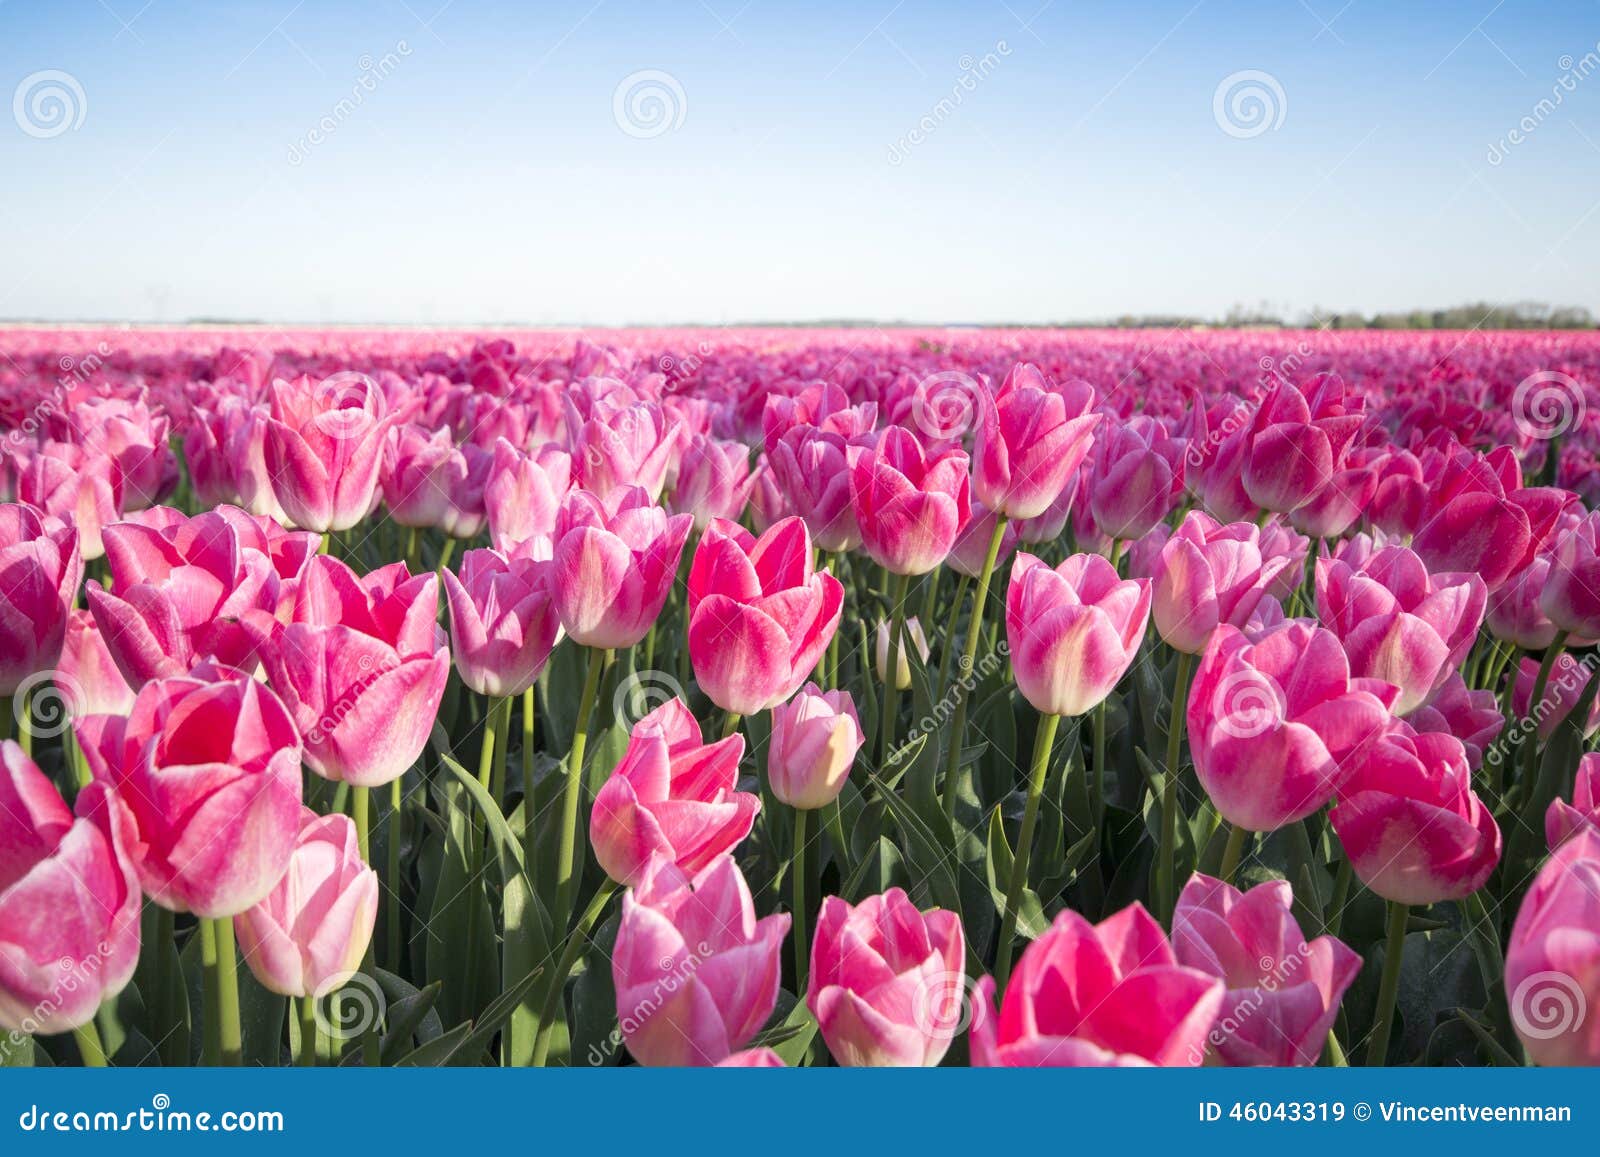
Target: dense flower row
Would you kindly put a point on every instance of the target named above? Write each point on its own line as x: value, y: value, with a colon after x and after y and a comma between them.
x: 1311, y: 621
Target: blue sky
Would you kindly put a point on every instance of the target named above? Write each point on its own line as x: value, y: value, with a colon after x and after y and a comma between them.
x: 487, y: 175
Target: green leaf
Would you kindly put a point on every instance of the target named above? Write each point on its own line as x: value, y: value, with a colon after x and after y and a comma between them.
x: 1031, y: 921
x: 791, y: 1036
x: 438, y: 1051
x: 410, y: 1015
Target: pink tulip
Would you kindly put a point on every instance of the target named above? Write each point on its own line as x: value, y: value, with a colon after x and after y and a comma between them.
x: 429, y: 481
x: 815, y: 737
x: 1102, y: 994
x: 811, y: 469
x: 135, y: 438
x: 615, y: 560
x: 820, y: 405
x: 83, y: 490
x: 1297, y: 443
x: 362, y: 668
x: 714, y: 481
x: 1073, y: 631
x: 696, y: 974
x: 1400, y: 495
x: 1562, y: 691
x: 208, y: 766
x: 323, y: 449
x: 912, y: 641
x: 1283, y: 993
x: 1136, y: 477
x: 1274, y: 724
x: 69, y: 901
x: 40, y: 568
x: 1515, y: 615
x: 1471, y: 716
x: 308, y: 936
x: 1398, y: 623
x: 909, y: 503
x: 672, y: 796
x: 502, y: 622
x: 762, y: 1058
x: 524, y: 492
x: 181, y: 591
x: 1280, y: 540
x: 618, y: 445
x: 1478, y: 518
x: 759, y: 616
x: 1050, y: 525
x: 1206, y: 575
x: 1564, y: 820
x: 887, y: 981
x: 1553, y: 958
x: 1571, y: 595
x: 1409, y: 821
x: 88, y: 676
x: 770, y: 503
x: 1032, y: 435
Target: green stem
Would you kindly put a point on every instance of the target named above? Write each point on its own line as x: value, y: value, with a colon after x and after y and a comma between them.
x: 446, y: 554
x: 308, y: 1031
x: 530, y: 715
x: 392, y: 875
x: 211, y: 1049
x: 949, y: 648
x: 566, y: 856
x: 225, y: 970
x: 558, y: 978
x: 969, y: 656
x: 24, y: 706
x: 798, y: 867
x: 1341, y: 896
x: 412, y: 559
x: 1336, y: 1057
x: 1097, y: 781
x: 891, y: 678
x: 361, y: 812
x: 492, y: 757
x: 1389, y: 986
x: 1232, y: 852
x: 166, y: 923
x: 89, y: 1046
x: 1042, y: 744
x: 930, y: 596
x: 1166, y: 866
x: 730, y: 724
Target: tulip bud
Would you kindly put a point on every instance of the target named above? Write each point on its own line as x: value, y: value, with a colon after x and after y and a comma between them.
x: 815, y: 737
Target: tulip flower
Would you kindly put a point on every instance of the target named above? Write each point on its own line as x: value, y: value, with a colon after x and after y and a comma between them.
x: 618, y: 446
x: 1479, y: 518
x: 1414, y: 830
x: 1471, y: 716
x: 88, y: 676
x: 815, y: 737
x: 1208, y: 574
x: 81, y: 489
x: 1283, y: 993
x: 1102, y: 994
x: 672, y: 796
x: 1564, y: 820
x: 1136, y: 477
x: 40, y: 568
x: 714, y: 481
x: 820, y: 405
x: 1514, y: 613
x: 1073, y: 631
x: 1032, y: 435
x: 208, y: 766
x: 323, y: 449
x: 1338, y: 505
x: 362, y: 668
x: 615, y: 560
x: 69, y: 903
x: 182, y: 590
x: 523, y: 494
x: 1297, y: 443
x: 429, y: 481
x: 909, y: 503
x: 759, y: 616
x: 1571, y: 595
x: 502, y: 622
x: 912, y: 638
x: 762, y: 1058
x: 887, y: 981
x: 695, y: 973
x: 1273, y: 724
x: 811, y: 470
x: 1553, y: 958
x: 971, y: 549
x: 1563, y: 691
x: 310, y: 932
x: 1398, y: 623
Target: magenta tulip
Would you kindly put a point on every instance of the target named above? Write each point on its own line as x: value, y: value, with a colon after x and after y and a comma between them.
x: 971, y: 548
x: 1102, y: 994
x: 673, y: 796
x: 1208, y: 574
x: 69, y: 900
x: 429, y: 481
x: 502, y: 621
x: 1414, y: 830
x: 1562, y: 692
x: 208, y: 766
x: 759, y: 616
x: 714, y: 481
x: 696, y: 974
x: 811, y: 470
x: 323, y: 449
x: 83, y: 490
x: 88, y: 677
x: 909, y: 503
x: 40, y: 568
x: 1471, y: 716
x: 1032, y: 435
x: 1571, y: 595
x: 615, y: 560
x: 1283, y: 993
x: 1297, y: 443
x: 1564, y: 820
x: 619, y: 445
x: 1273, y: 724
x: 1073, y: 631
x: 1135, y: 477
x: 524, y: 492
x: 1553, y: 958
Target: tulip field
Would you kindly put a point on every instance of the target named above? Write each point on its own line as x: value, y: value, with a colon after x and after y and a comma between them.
x: 799, y: 697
